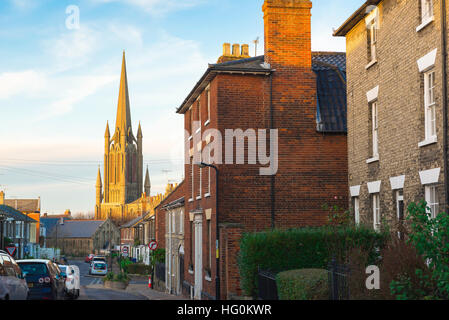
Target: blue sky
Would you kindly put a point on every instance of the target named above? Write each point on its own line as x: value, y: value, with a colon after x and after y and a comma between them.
x: 58, y: 87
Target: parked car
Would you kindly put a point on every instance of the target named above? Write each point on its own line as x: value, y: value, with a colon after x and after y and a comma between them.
x: 98, y: 259
x: 45, y: 279
x: 12, y: 281
x: 89, y: 258
x: 72, y: 282
x: 99, y: 268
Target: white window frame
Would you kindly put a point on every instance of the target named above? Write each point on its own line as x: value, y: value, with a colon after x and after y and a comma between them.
x: 431, y: 197
x: 399, y: 198
x: 376, y: 211
x: 373, y: 39
x: 375, y: 128
x: 201, y: 180
x: 426, y: 10
x: 430, y: 105
x: 193, y: 178
x: 181, y: 219
x: 208, y: 106
x: 357, y: 210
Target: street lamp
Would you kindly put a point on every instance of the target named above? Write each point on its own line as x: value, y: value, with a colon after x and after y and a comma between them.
x: 217, y: 257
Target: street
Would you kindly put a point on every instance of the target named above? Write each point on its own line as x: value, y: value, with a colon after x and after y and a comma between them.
x: 92, y: 287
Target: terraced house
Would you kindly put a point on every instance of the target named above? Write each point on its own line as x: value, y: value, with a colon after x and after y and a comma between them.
x: 299, y: 93
x: 397, y: 108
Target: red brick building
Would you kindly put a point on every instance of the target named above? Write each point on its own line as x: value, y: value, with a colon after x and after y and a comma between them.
x: 299, y: 93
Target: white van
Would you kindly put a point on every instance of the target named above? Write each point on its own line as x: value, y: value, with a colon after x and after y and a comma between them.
x: 72, y: 282
x: 12, y: 281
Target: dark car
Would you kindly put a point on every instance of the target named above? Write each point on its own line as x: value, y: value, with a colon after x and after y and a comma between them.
x: 45, y: 279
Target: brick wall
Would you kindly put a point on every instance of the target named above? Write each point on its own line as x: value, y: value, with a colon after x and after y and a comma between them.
x: 312, y: 166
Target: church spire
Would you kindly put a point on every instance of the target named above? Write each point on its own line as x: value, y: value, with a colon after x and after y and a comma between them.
x: 147, y: 183
x: 123, y: 122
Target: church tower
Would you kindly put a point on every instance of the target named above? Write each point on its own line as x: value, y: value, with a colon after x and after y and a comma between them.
x: 123, y: 157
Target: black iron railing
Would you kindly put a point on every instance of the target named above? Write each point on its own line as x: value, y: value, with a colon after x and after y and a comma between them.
x: 267, y: 288
x: 338, y: 281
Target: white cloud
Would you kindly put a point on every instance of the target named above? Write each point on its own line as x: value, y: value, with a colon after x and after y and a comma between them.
x: 24, y: 4
x: 75, y: 90
x: 127, y: 34
x: 23, y: 82
x: 72, y: 48
x: 157, y: 7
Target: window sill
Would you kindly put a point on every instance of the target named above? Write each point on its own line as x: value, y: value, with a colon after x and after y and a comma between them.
x: 208, y: 278
x: 190, y: 138
x: 206, y: 123
x: 427, y: 142
x: 190, y: 271
x: 425, y: 23
x: 373, y: 159
x: 191, y: 200
x: 198, y: 198
x: 207, y: 195
x: 198, y: 131
x: 372, y: 63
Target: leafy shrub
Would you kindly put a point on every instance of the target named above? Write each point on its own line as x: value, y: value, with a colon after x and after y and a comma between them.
x: 303, y: 284
x: 121, y: 277
x: 305, y: 248
x: 109, y: 276
x: 139, y: 268
x: 400, y: 261
x: 124, y: 263
x: 430, y: 237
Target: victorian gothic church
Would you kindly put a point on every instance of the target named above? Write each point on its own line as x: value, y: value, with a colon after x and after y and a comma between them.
x: 122, y: 199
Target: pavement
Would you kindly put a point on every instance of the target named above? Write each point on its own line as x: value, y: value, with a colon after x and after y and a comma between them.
x: 139, y: 285
x: 92, y: 288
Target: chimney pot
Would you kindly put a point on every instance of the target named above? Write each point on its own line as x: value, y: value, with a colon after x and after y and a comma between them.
x: 226, y: 49
x: 245, y: 50
x: 235, y: 50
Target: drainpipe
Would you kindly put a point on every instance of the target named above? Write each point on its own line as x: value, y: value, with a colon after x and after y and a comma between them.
x: 444, y: 92
x: 272, y: 182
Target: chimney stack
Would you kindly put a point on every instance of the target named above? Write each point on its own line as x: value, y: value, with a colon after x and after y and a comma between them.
x: 288, y: 39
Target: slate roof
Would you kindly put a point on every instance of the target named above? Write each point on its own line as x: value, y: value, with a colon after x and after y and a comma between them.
x: 330, y: 69
x: 132, y: 222
x: 49, y: 222
x: 77, y: 228
x: 29, y: 205
x: 10, y: 212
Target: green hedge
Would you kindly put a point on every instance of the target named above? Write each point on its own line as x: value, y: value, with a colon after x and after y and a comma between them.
x: 303, y: 284
x: 139, y: 268
x: 305, y: 248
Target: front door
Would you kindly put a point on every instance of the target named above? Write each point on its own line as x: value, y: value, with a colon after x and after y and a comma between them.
x: 198, y: 256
